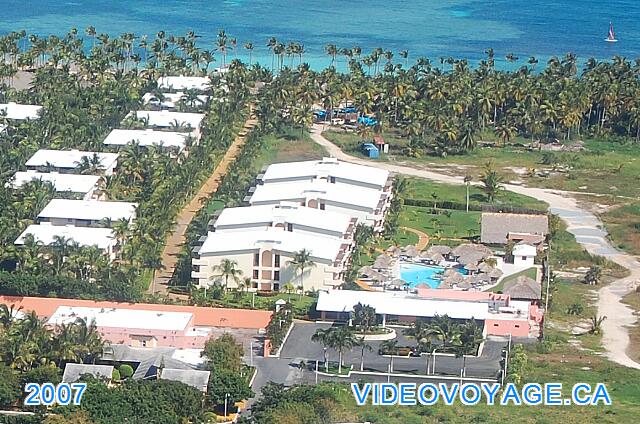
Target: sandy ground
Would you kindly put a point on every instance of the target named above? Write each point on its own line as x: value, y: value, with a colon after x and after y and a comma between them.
x: 586, y: 227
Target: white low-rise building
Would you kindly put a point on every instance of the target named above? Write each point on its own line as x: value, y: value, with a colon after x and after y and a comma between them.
x: 149, y: 137
x: 330, y: 169
x: 86, y: 213
x: 84, y: 186
x: 524, y: 255
x: 68, y: 161
x: 182, y: 83
x: 171, y: 100
x: 287, y: 216
x: 102, y: 238
x: 20, y: 112
x: 180, y: 121
x: 367, y: 205
x: 264, y: 256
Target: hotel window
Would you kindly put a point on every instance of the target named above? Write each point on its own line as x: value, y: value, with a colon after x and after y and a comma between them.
x: 276, y: 275
x: 517, y: 325
x: 255, y: 274
x: 333, y: 180
x: 276, y: 261
x: 256, y: 259
x: 290, y: 227
x: 322, y: 206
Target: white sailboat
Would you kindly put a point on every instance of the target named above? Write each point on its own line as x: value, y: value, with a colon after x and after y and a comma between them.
x: 612, y: 35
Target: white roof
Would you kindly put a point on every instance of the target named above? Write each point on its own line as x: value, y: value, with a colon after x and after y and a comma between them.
x: 171, y: 99
x: 88, y: 209
x: 164, y: 118
x: 321, y: 247
x: 103, y: 238
x: 122, y: 318
x: 62, y: 182
x: 285, y: 212
x: 327, y: 167
x: 524, y: 250
x: 400, y: 304
x: 184, y: 83
x: 317, y: 189
x: 147, y: 137
x: 19, y: 111
x: 69, y: 158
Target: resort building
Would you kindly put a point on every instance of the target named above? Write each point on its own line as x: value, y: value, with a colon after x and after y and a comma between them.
x: 148, y: 137
x: 139, y: 325
x: 194, y: 378
x: 288, y: 216
x: 102, y: 238
x: 182, y: 83
x: 86, y: 213
x: 499, y: 316
x: 265, y: 255
x: 179, y: 121
x: 367, y: 205
x: 523, y: 288
x: 69, y: 161
x: 502, y: 228
x: 524, y: 255
x: 172, y: 100
x: 330, y: 170
x: 80, y: 186
x: 19, y: 112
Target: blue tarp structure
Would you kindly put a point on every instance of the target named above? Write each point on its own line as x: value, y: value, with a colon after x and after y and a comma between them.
x: 367, y: 121
x: 370, y: 150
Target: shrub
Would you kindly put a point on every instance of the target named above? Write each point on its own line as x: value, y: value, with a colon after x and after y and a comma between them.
x: 115, y: 375
x: 126, y: 371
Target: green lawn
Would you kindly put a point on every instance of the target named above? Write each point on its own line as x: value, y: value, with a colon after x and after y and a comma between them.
x: 530, y: 272
x: 446, y: 224
x: 623, y: 225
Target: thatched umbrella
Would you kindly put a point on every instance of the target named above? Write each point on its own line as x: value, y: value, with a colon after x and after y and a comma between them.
x: 383, y: 261
x: 472, y: 249
x: 471, y: 267
x: 398, y: 282
x: 445, y: 285
x: 484, y: 267
x: 393, y: 250
x: 466, y: 284
x: 495, y: 273
x: 443, y: 250
x: 437, y: 257
x: 410, y: 251
x: 372, y: 273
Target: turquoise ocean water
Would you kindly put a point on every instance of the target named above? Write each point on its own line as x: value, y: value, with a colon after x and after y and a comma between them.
x: 431, y: 28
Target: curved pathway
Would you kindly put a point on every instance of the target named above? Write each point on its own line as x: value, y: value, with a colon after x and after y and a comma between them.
x: 423, y: 238
x: 176, y: 238
x: 584, y: 225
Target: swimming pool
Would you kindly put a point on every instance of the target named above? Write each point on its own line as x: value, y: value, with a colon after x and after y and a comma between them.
x: 415, y: 274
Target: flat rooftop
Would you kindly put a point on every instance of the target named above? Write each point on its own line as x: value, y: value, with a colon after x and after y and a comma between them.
x: 400, y: 303
x: 321, y: 247
x: 61, y: 182
x: 170, y: 100
x: 163, y: 118
x: 19, y: 111
x: 203, y: 316
x: 122, y: 318
x: 319, y: 189
x: 103, y: 238
x: 94, y: 210
x: 184, y: 83
x: 147, y: 138
x: 327, y: 167
x: 291, y: 213
x: 69, y: 158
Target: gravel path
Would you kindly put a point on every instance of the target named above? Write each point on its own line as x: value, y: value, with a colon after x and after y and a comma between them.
x: 586, y: 227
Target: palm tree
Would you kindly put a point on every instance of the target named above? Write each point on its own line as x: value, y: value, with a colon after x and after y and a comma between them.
x: 289, y: 287
x: 467, y: 341
x: 363, y: 345
x: 593, y: 275
x: 491, y: 182
x: 343, y: 338
x: 596, y: 324
x: 391, y: 349
x: 575, y: 309
x: 227, y: 268
x: 444, y: 329
x: 324, y: 337
x: 301, y: 260
x: 249, y: 46
x: 467, y: 181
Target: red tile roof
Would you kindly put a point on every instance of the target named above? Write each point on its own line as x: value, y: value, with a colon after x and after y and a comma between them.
x: 203, y: 317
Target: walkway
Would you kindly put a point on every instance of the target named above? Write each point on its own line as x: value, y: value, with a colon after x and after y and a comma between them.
x: 176, y: 239
x: 587, y: 229
x: 423, y: 238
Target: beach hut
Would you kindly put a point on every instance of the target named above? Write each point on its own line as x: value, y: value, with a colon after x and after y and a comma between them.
x: 443, y: 250
x: 410, y: 251
x: 382, y: 146
x: 523, y: 288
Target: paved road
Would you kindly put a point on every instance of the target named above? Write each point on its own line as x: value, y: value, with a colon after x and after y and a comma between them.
x: 587, y: 229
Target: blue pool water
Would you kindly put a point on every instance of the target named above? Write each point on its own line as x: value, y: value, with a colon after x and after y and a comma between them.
x: 457, y: 28
x: 415, y: 274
